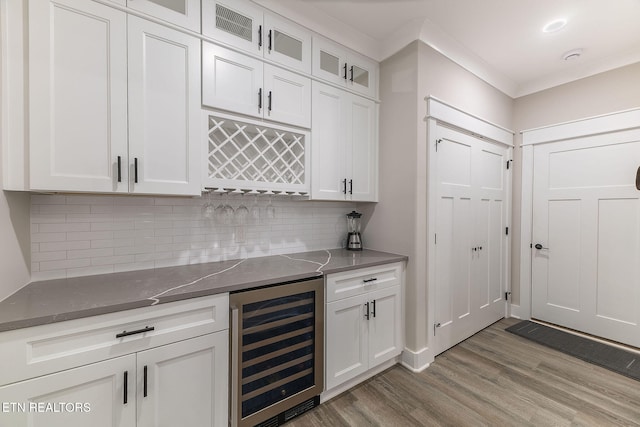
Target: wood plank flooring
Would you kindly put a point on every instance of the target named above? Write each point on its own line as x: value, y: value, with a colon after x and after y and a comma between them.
x: 492, y: 379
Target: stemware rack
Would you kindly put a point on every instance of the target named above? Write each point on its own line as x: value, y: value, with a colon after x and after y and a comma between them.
x: 251, y: 156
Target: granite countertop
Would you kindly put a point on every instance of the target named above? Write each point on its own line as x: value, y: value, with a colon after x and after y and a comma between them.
x: 51, y: 301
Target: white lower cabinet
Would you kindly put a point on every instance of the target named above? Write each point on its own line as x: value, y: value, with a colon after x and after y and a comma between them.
x: 51, y: 400
x: 184, y: 383
x: 174, y: 370
x: 364, y: 330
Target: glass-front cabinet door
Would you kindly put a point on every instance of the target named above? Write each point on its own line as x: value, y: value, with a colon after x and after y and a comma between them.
x: 287, y: 43
x: 185, y: 13
x: 335, y: 63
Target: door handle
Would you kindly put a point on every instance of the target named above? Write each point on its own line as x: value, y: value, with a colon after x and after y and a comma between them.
x: 366, y: 314
x: 538, y: 246
x: 638, y: 179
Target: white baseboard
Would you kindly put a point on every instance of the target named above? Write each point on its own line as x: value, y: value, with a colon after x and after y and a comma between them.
x: 518, y: 312
x: 416, y: 361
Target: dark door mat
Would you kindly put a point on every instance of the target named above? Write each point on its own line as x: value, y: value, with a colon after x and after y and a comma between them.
x: 609, y: 357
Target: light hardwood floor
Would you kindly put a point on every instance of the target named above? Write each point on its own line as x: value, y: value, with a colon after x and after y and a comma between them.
x: 492, y: 379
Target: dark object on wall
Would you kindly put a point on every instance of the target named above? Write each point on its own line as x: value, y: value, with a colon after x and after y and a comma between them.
x: 638, y: 178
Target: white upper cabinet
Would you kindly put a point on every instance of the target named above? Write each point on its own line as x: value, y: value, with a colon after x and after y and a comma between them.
x: 245, y: 26
x: 287, y: 97
x: 185, y: 13
x: 231, y: 81
x: 164, y: 109
x: 338, y: 65
x: 344, y: 145
x: 78, y: 96
x: 287, y: 43
x: 243, y: 84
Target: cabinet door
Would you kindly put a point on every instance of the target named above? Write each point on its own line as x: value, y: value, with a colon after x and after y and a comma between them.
x: 98, y: 388
x: 363, y: 137
x: 385, y: 331
x: 362, y: 75
x: 185, y: 13
x: 287, y: 97
x: 329, y: 156
x: 234, y: 22
x: 232, y: 81
x: 185, y: 383
x: 287, y: 43
x: 164, y: 109
x: 78, y: 96
x: 329, y: 61
x: 347, y: 340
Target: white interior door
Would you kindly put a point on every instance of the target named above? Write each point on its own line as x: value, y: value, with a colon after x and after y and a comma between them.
x: 471, y: 214
x: 586, y: 228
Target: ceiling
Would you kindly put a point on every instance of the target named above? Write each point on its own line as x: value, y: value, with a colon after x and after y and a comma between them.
x: 501, y: 41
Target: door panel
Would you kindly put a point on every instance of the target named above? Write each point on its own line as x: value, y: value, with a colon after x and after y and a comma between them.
x: 328, y: 142
x: 587, y: 212
x: 384, y: 325
x: 164, y: 109
x: 470, y: 236
x: 100, y: 386
x: 78, y: 96
x: 363, y: 115
x: 187, y: 383
x: 232, y: 81
x: 290, y: 96
x: 618, y: 230
x: 347, y: 347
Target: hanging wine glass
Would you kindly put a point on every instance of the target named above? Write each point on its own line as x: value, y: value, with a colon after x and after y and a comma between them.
x: 208, y: 209
x: 227, y: 217
x: 270, y: 210
x: 219, y: 212
x: 255, y: 210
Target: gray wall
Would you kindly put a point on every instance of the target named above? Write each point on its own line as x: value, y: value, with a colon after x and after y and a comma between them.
x: 398, y: 223
x: 14, y: 240
x: 603, y: 93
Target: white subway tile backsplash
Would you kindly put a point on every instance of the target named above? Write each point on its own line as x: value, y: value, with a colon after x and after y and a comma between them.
x: 47, y: 237
x: 75, y: 235
x: 64, y: 264
x: 90, y: 253
x: 62, y: 246
x: 63, y: 227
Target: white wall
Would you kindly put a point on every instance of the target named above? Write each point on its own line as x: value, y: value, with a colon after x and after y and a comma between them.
x: 615, y: 90
x: 398, y: 223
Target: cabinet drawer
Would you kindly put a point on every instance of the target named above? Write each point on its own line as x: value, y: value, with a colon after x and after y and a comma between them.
x: 50, y: 348
x: 356, y: 282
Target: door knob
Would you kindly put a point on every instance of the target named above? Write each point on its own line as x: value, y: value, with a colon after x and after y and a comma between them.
x: 539, y: 246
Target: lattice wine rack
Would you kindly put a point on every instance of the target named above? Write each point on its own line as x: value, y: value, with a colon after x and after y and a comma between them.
x: 253, y: 156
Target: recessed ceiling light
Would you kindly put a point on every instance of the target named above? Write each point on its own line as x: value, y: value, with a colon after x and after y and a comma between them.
x: 572, y: 54
x: 554, y: 26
